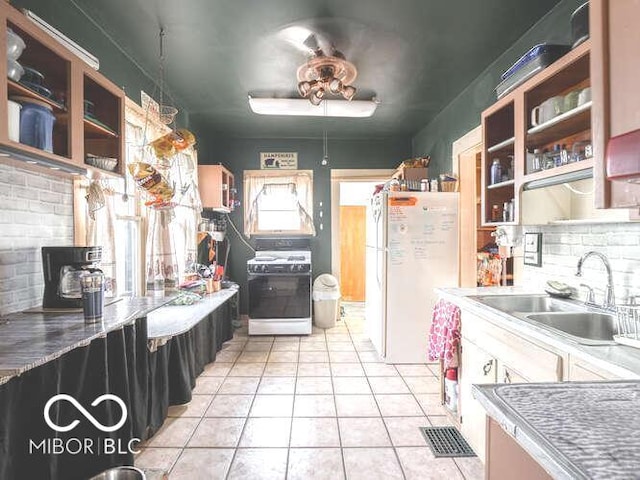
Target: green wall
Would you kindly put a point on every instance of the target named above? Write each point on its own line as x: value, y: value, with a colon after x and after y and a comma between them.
x: 243, y: 154
x: 463, y: 114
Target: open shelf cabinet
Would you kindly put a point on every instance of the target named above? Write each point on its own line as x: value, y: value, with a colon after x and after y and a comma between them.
x: 67, y: 82
x: 511, y: 136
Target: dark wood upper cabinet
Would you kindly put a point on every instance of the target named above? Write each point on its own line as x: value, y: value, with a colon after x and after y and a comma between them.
x: 615, y: 70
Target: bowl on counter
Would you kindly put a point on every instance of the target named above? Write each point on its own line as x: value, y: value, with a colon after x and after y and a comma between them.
x: 15, y: 45
x: 14, y: 70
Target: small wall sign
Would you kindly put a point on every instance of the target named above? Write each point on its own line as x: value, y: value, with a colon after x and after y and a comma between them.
x: 533, y: 249
x: 278, y: 160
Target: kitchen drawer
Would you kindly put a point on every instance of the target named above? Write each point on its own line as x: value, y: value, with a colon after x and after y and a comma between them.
x: 580, y: 371
x: 529, y: 359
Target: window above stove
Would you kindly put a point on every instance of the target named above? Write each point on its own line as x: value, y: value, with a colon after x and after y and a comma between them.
x: 278, y: 202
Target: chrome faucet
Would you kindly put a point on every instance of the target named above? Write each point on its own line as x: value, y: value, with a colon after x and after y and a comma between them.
x: 609, y: 297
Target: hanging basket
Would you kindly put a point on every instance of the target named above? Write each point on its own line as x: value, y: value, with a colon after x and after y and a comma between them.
x: 167, y: 114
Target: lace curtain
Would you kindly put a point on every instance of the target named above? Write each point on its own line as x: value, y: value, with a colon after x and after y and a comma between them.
x: 101, y: 232
x: 259, y: 184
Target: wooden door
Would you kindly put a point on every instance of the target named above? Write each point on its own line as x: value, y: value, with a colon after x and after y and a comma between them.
x: 352, y: 252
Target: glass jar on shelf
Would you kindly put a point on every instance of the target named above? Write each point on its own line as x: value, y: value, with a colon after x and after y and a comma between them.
x: 537, y: 161
x: 496, y: 171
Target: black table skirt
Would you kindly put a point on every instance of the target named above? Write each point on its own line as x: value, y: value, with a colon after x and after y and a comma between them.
x: 119, y: 364
x: 108, y: 364
x: 175, y: 366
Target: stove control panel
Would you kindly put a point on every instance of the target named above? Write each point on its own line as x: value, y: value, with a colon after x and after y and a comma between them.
x: 279, y: 268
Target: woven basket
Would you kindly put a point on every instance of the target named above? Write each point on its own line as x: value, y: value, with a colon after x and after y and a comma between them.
x: 449, y: 185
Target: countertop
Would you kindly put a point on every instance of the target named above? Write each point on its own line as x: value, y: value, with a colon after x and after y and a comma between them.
x: 619, y: 360
x: 171, y: 320
x: 573, y: 430
x: 28, y: 340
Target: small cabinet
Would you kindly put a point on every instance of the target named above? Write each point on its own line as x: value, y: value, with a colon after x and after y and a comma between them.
x: 613, y: 26
x: 87, y: 109
x: 582, y: 371
x: 492, y: 354
x: 477, y: 367
x: 102, y: 120
x: 499, y: 139
x: 217, y: 187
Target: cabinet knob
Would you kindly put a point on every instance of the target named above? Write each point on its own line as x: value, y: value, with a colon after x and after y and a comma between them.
x: 487, y: 367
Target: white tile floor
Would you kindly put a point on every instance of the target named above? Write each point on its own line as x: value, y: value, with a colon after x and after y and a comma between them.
x: 322, y: 406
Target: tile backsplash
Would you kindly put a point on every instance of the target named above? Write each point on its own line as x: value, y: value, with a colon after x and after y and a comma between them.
x: 36, y: 210
x: 563, y: 245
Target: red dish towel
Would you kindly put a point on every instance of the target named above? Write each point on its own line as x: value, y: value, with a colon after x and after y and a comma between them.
x: 444, y: 336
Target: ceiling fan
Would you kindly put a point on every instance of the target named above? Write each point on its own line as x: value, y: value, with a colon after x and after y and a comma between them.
x: 326, y: 71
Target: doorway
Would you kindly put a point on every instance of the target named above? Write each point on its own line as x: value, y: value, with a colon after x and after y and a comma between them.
x: 350, y: 194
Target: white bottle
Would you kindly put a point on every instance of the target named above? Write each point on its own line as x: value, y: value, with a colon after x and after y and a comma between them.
x: 451, y: 389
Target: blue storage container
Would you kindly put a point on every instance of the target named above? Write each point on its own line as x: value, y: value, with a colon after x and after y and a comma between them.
x: 36, y: 126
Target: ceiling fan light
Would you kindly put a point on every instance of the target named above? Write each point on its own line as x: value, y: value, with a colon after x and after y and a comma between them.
x: 335, y: 86
x: 304, y: 88
x: 348, y: 92
x: 316, y: 97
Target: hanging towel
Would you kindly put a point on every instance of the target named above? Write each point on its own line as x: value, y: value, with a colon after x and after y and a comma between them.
x: 444, y: 336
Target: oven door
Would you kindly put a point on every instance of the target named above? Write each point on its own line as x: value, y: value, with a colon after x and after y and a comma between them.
x: 279, y: 296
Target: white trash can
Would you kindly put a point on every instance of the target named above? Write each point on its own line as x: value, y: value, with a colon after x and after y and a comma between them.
x: 326, y: 300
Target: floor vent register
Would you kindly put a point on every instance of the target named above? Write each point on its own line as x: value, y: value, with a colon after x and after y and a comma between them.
x: 446, y: 442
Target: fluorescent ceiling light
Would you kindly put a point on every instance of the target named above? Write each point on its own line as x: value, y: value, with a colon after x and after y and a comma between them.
x: 302, y: 107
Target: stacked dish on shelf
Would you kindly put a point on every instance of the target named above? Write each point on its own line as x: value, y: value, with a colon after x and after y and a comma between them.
x: 15, y: 46
x: 105, y: 163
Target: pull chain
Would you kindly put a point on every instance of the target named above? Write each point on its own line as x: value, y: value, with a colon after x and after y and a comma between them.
x: 325, y: 143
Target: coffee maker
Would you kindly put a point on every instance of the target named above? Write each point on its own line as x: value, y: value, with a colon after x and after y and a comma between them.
x: 62, y: 268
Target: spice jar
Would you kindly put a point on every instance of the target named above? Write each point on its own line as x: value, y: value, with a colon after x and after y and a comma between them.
x: 495, y: 213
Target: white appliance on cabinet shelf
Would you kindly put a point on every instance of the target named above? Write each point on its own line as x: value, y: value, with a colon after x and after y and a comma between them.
x: 412, y: 248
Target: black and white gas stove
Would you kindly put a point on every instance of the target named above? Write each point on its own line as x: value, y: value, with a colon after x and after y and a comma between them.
x: 279, y: 291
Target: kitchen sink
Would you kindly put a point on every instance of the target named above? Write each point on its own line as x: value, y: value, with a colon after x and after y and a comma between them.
x: 566, y: 318
x: 527, y: 303
x: 588, y: 328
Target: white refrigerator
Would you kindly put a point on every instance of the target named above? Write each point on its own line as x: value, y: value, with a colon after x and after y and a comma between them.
x: 412, y: 248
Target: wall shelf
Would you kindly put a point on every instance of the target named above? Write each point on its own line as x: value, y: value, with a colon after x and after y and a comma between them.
x: 499, y: 146
x: 506, y: 183
x: 563, y: 169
